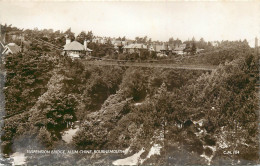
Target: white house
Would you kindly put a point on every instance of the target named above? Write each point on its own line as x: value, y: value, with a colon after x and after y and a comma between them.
x: 11, y: 48
x: 75, y: 49
x: 180, y: 49
x: 160, y: 49
x: 100, y: 40
x: 214, y: 43
x: 134, y: 48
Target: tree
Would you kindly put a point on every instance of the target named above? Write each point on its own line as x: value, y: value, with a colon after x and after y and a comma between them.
x: 187, y: 48
x: 89, y: 35
x: 137, y: 39
x: 134, y: 84
x: 201, y: 44
x: 150, y: 41
x: 70, y: 34
x: 141, y: 39
x: 81, y: 37
x: 177, y: 42
x: 144, y: 39
x: 193, y: 48
x: 144, y: 55
x: 171, y: 41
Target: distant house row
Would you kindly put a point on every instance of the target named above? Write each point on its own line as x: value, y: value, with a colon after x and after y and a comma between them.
x: 104, y: 40
x: 75, y: 49
x: 130, y: 46
x: 159, y: 49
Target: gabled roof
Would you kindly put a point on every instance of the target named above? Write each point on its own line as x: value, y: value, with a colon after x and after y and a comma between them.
x: 170, y: 48
x: 164, y: 47
x: 74, y: 46
x: 180, y: 48
x: 138, y: 46
x: 14, y: 48
x: 158, y: 47
x: 118, y: 43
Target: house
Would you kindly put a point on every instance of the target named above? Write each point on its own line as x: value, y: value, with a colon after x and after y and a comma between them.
x: 113, y: 40
x: 165, y: 49
x: 179, y: 50
x: 118, y: 45
x: 134, y: 48
x: 214, y: 43
x: 96, y: 39
x: 99, y: 40
x: 128, y: 42
x: 160, y: 49
x: 11, y: 48
x: 151, y: 48
x: 75, y: 49
x: 17, y: 37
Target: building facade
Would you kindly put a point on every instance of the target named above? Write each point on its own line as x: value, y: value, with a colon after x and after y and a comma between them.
x: 134, y: 48
x: 75, y: 49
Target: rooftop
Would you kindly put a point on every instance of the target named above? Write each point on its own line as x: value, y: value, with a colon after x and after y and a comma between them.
x: 13, y: 47
x: 138, y: 46
x: 74, y: 46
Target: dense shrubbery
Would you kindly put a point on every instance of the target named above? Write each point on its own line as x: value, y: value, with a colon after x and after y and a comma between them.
x: 227, y: 51
x: 228, y: 100
x: 48, y: 91
x: 120, y: 121
x: 27, y: 77
x: 225, y: 99
x: 52, y: 90
x: 101, y: 50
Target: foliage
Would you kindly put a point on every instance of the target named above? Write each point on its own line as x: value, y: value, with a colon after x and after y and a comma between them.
x: 70, y: 34
x: 27, y: 77
x: 228, y: 51
x: 126, y: 107
x: 101, y: 50
x: 84, y: 36
x: 135, y: 84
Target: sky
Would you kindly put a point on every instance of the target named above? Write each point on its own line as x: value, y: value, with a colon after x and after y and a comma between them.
x: 212, y: 21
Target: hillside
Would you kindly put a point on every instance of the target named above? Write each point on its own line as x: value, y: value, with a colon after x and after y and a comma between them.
x: 161, y: 116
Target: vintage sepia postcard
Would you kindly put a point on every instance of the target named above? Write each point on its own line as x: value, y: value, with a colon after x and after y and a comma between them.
x: 129, y: 82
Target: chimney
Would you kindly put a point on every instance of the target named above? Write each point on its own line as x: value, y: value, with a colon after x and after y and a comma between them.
x: 85, y: 44
x: 67, y: 40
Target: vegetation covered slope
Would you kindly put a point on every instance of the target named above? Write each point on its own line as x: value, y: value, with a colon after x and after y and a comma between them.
x: 225, y: 101
x: 199, y: 114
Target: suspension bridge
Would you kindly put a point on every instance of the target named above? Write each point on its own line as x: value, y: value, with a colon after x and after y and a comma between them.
x: 149, y: 65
